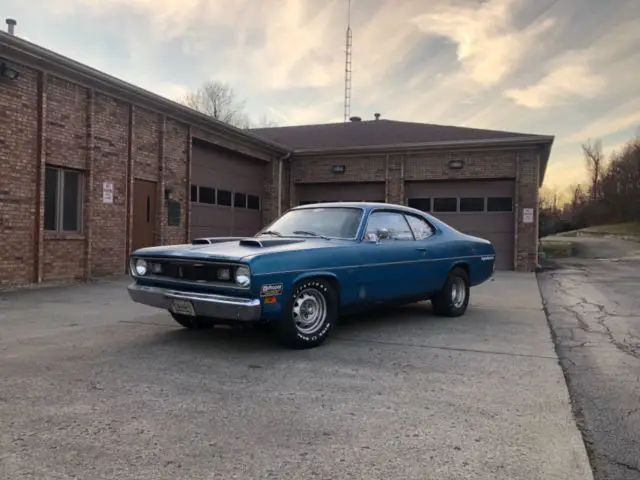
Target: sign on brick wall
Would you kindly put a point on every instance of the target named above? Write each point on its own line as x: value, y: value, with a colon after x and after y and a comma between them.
x: 107, y: 192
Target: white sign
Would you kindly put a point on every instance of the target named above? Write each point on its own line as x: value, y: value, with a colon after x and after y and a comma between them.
x: 107, y: 192
x: 527, y: 215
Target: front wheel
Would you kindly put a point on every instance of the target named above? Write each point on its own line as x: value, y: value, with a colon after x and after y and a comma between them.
x: 452, y: 300
x: 192, y: 323
x: 311, y: 313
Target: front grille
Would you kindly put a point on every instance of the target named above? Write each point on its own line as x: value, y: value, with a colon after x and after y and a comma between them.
x: 198, y: 272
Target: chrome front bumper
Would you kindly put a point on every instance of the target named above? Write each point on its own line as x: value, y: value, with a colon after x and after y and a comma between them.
x: 204, y: 304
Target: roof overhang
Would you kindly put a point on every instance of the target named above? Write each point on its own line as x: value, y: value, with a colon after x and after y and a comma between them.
x: 541, y: 142
x: 31, y: 55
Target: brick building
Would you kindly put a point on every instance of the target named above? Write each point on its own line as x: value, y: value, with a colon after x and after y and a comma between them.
x: 93, y: 167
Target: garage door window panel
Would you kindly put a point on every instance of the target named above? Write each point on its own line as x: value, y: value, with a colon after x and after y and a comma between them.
x: 445, y: 205
x: 472, y: 204
x: 239, y: 200
x: 500, y: 204
x: 423, y: 204
x: 253, y: 202
x: 194, y: 193
x: 63, y: 200
x: 224, y: 198
x: 207, y: 195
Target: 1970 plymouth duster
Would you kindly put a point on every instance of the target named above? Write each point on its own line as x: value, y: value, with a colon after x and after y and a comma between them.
x: 314, y: 263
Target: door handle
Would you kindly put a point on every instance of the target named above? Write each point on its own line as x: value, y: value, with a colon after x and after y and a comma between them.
x: 421, y: 249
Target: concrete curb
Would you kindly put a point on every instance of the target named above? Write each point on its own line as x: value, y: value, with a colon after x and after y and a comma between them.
x: 630, y: 237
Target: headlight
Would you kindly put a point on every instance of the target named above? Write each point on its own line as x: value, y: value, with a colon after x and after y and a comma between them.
x: 243, y: 276
x: 140, y: 267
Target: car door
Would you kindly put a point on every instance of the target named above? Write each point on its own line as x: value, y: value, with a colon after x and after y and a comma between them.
x: 390, y: 258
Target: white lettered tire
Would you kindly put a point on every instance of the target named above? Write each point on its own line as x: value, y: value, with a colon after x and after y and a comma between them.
x: 310, y: 314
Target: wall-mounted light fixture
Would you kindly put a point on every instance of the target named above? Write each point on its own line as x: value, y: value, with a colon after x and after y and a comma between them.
x: 168, y: 193
x: 456, y: 164
x: 338, y: 168
x: 8, y: 70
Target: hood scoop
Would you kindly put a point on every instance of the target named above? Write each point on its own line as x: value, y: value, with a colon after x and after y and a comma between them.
x: 251, y: 242
x: 214, y: 240
x: 268, y: 242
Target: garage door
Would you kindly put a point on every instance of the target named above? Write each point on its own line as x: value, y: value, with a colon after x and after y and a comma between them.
x: 226, y: 192
x: 342, y: 192
x: 480, y: 208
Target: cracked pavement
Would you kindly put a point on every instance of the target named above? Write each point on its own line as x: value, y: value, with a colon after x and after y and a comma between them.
x: 593, y: 307
x: 93, y: 386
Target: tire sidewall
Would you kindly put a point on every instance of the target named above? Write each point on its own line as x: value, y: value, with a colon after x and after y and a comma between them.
x: 442, y: 302
x: 458, y: 273
x: 288, y: 330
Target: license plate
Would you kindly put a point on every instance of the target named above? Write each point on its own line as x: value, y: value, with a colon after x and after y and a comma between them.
x: 183, y: 307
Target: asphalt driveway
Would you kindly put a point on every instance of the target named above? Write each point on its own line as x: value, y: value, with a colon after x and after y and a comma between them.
x: 593, y: 306
x: 93, y: 386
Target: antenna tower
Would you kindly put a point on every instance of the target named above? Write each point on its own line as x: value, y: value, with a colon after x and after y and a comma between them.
x: 347, y: 68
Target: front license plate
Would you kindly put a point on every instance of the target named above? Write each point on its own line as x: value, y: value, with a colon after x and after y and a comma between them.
x: 183, y: 307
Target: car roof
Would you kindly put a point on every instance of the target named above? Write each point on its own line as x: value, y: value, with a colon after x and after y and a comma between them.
x: 364, y: 205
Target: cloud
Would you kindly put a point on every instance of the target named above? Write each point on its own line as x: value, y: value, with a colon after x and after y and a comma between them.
x: 559, y: 86
x: 489, y: 44
x: 581, y: 74
x: 625, y: 117
x: 564, y: 68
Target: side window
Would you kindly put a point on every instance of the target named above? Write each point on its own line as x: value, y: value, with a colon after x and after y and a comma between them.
x: 388, y: 226
x: 421, y: 229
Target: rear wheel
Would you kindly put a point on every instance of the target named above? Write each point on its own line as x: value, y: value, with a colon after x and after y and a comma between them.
x: 452, y: 300
x: 311, y: 313
x: 192, y: 323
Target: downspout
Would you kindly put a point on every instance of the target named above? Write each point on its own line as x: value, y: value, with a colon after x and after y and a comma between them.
x: 280, y: 160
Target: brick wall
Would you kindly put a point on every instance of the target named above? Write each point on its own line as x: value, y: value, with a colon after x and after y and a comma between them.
x: 176, y: 146
x: 110, y: 136
x: 367, y: 168
x: 270, y: 196
x: 18, y: 177
x: 94, y: 133
x: 396, y: 169
x: 527, y: 197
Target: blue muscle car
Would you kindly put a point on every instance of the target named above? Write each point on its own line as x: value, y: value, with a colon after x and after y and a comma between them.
x: 311, y: 265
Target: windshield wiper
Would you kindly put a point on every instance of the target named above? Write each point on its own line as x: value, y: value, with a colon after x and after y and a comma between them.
x: 313, y: 234
x: 271, y: 232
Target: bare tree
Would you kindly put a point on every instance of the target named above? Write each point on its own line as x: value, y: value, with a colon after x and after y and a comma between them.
x: 264, y: 122
x: 594, y: 159
x: 218, y: 100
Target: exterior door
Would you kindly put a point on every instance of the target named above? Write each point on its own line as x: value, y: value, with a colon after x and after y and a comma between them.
x: 144, y: 214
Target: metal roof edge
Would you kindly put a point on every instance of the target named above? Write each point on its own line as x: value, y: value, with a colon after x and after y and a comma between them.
x: 179, y: 111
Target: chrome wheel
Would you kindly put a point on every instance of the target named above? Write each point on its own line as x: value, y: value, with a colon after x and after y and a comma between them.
x: 309, y: 311
x: 458, y: 292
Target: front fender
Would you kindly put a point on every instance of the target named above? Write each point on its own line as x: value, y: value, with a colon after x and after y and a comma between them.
x: 315, y: 274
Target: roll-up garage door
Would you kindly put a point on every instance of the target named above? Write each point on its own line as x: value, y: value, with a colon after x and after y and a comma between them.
x: 480, y: 208
x: 226, y: 192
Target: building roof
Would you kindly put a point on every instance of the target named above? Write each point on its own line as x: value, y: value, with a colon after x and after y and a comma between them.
x: 373, y: 133
x: 32, y: 55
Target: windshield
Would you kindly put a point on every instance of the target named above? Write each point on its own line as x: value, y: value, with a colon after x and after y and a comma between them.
x: 334, y: 222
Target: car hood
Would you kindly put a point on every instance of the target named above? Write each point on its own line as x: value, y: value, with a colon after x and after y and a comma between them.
x: 236, y: 249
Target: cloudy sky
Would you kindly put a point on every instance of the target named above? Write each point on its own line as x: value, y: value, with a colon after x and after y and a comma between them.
x: 570, y: 68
